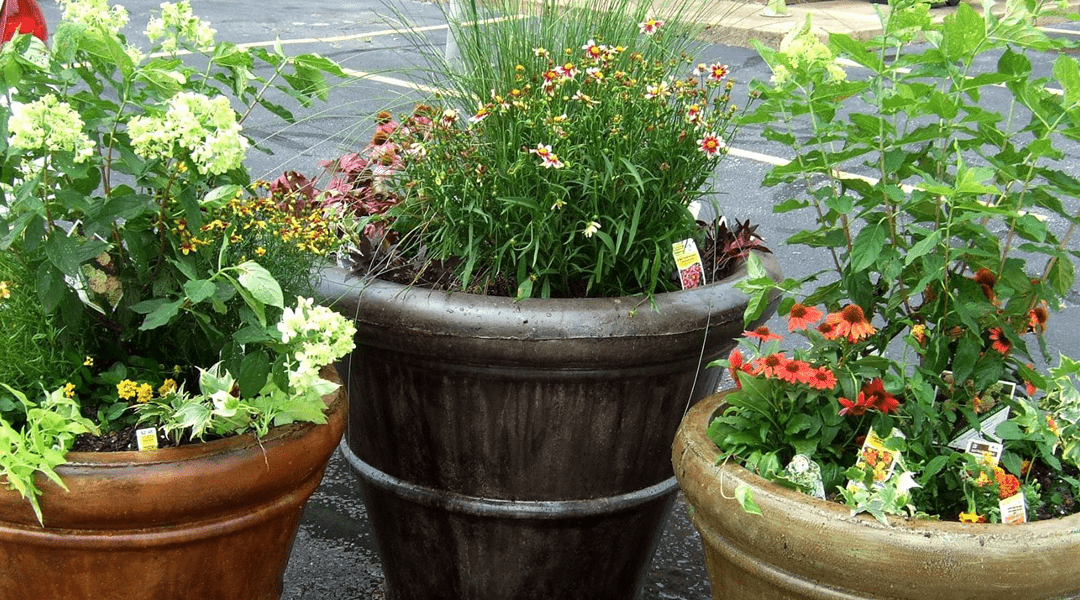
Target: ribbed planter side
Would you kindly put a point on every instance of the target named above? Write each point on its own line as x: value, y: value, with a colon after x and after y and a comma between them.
x: 518, y: 450
x: 803, y: 548
x: 214, y: 520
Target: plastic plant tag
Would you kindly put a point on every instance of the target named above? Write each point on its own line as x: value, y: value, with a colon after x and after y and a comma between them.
x: 989, y: 453
x: 1013, y: 509
x: 875, y: 455
x: 687, y: 258
x: 988, y: 426
x: 806, y: 474
x: 146, y: 438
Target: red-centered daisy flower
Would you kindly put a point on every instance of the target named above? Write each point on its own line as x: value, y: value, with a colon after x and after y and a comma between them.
x: 711, y: 145
x: 594, y: 50
x: 801, y: 317
x: 649, y: 26
x: 795, y: 371
x: 771, y: 365
x: 1000, y: 342
x: 828, y: 330
x: 878, y: 397
x: 821, y: 379
x: 762, y: 333
x: 717, y: 72
x: 850, y: 322
x: 1037, y: 318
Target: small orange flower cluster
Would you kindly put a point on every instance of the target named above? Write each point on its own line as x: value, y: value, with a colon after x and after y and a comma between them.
x: 1007, y: 483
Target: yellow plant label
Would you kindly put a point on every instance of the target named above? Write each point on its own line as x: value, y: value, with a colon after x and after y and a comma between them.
x: 146, y: 438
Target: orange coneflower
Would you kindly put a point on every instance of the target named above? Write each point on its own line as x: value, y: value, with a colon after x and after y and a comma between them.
x: 1037, y: 318
x: 770, y: 365
x: 762, y: 333
x: 1001, y: 343
x: 828, y: 330
x: 795, y: 371
x: 856, y: 408
x: 801, y: 317
x: 821, y: 379
x: 735, y: 364
x: 879, y: 398
x: 986, y: 281
x: 850, y: 322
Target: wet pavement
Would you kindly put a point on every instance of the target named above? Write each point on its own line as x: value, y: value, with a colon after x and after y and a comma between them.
x: 334, y: 557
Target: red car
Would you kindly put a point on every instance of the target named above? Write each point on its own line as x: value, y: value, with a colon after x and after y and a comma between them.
x: 24, y: 16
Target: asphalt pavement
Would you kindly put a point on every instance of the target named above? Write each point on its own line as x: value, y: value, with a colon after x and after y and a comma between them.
x: 335, y: 557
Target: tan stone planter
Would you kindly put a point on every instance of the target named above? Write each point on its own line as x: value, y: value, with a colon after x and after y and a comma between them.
x: 213, y: 521
x: 805, y: 548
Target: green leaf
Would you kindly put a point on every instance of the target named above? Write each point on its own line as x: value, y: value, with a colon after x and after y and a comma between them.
x: 1009, y: 430
x: 254, y: 370
x: 51, y: 286
x: 217, y: 197
x: 161, y: 315
x: 260, y: 284
x: 964, y: 31
x: 868, y: 246
x: 745, y: 496
x: 923, y: 247
x: 199, y: 290
x: 67, y: 253
x: 1067, y: 73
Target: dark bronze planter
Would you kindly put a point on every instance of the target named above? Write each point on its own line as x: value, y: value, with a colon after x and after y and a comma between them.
x: 803, y: 548
x: 520, y: 450
x: 200, y: 522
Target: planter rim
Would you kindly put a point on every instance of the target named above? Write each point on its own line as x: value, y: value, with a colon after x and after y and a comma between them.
x: 493, y: 317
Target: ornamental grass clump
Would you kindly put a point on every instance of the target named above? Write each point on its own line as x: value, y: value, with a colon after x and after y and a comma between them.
x: 145, y: 279
x: 563, y: 154
x: 946, y: 227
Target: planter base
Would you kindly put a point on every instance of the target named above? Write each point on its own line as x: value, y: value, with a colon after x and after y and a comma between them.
x: 512, y: 549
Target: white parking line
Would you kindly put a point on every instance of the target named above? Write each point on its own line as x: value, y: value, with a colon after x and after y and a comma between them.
x: 392, y: 81
x: 342, y: 38
x: 1056, y: 30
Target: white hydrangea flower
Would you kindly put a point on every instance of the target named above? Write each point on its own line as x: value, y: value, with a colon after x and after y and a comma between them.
x: 320, y: 337
x: 95, y: 14
x: 177, y: 23
x: 206, y: 127
x: 49, y: 125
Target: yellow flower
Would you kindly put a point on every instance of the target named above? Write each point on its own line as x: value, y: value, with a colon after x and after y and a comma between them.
x: 260, y: 251
x: 126, y: 389
x: 89, y: 362
x: 69, y: 390
x: 167, y: 387
x: 972, y: 517
x: 5, y: 290
x: 145, y: 393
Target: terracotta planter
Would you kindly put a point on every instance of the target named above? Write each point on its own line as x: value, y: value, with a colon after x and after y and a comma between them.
x: 807, y: 548
x: 519, y: 450
x: 206, y: 521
